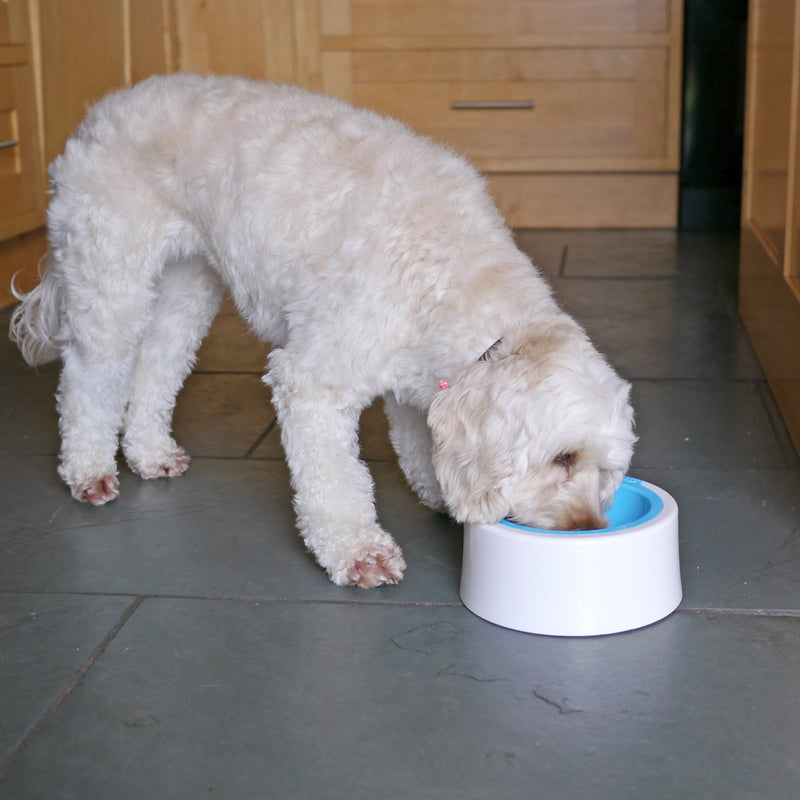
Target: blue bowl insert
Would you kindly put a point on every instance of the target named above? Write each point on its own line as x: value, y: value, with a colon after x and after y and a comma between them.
x: 633, y: 505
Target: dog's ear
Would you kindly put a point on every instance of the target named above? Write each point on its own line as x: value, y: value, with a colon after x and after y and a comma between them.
x: 619, y: 439
x: 470, y: 456
x: 610, y: 479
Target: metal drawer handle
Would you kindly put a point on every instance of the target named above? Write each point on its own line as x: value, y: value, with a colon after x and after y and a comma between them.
x: 6, y: 143
x: 523, y: 104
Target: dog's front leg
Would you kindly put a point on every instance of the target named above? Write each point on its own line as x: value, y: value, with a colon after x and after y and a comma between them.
x: 334, y: 498
x: 411, y: 439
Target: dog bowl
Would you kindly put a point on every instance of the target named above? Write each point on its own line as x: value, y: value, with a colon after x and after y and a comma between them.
x: 578, y: 583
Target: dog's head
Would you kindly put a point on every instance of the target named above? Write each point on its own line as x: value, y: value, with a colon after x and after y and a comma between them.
x: 541, y: 433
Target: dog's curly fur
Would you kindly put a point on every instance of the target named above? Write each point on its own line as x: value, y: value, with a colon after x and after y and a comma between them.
x: 375, y: 263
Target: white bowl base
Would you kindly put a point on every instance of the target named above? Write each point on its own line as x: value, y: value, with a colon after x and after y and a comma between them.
x: 576, y: 583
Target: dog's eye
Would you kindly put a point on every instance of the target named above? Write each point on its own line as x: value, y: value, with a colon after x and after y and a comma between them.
x: 566, y: 460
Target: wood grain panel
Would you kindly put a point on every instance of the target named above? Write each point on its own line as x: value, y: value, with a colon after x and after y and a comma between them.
x: 83, y: 57
x: 471, y: 17
x: 587, y: 200
x: 152, y: 45
x: 769, y: 268
x: 588, y: 105
x: 253, y: 38
x: 771, y: 313
x: 22, y: 196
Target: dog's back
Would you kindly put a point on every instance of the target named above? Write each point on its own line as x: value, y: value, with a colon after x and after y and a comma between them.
x: 278, y: 188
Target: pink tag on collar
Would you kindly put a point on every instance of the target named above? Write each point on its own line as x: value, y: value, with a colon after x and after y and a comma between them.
x: 444, y: 384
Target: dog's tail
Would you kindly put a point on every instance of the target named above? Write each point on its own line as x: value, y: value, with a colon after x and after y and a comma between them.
x: 36, y: 322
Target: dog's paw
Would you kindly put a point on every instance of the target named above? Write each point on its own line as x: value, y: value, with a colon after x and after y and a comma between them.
x: 170, y: 464
x: 376, y: 568
x: 97, y: 491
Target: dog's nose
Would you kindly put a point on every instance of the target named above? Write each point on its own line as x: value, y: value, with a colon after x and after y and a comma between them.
x: 583, y: 520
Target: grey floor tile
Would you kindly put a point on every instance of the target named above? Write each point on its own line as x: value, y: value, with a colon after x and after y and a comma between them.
x: 635, y: 254
x: 546, y: 248
x: 243, y: 700
x: 225, y: 528
x: 373, y: 437
x: 230, y: 347
x: 374, y: 434
x: 11, y: 359
x: 222, y: 415
x: 719, y: 424
x: 210, y: 532
x: 246, y: 673
x: 45, y: 640
x: 621, y: 254
x: 739, y: 536
x: 710, y: 254
x: 680, y: 328
x: 28, y: 419
x: 268, y: 445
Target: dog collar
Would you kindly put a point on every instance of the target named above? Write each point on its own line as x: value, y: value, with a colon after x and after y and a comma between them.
x: 485, y: 356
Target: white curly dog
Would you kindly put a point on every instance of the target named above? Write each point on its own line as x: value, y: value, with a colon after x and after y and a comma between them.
x: 375, y: 263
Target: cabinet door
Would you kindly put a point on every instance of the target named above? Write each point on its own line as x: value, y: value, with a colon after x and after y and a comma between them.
x: 769, y: 286
x: 21, y: 179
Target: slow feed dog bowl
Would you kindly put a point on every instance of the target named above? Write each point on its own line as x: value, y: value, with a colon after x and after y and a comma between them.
x: 578, y: 583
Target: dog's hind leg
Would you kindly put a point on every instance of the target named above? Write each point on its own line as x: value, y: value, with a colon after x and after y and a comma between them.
x: 411, y: 439
x: 102, y: 329
x: 187, y: 301
x: 333, y: 488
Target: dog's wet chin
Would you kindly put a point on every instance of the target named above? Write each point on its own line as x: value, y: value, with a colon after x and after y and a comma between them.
x: 554, y: 502
x: 571, y: 519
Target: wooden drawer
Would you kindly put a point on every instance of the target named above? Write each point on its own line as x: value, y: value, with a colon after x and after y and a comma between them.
x: 571, y: 108
x: 492, y: 17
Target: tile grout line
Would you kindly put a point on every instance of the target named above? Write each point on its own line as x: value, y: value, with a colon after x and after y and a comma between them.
x: 259, y: 439
x: 727, y: 611
x: 621, y: 278
x: 248, y: 599
x: 73, y: 684
x: 756, y: 612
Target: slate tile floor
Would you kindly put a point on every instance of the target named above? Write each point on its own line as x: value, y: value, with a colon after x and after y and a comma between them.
x: 179, y: 643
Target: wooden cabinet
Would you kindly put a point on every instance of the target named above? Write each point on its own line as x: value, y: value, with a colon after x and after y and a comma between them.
x: 572, y: 107
x: 519, y: 110
x: 90, y: 47
x: 56, y: 58
x: 253, y: 38
x: 21, y: 174
x: 769, y: 285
